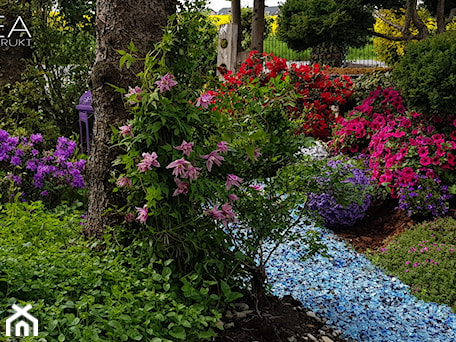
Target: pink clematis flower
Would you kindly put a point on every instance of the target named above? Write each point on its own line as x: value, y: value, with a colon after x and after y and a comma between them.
x: 192, y: 172
x: 233, y: 180
x: 149, y: 159
x: 134, y: 95
x: 123, y: 182
x: 228, y: 214
x: 256, y: 187
x: 180, y: 167
x: 182, y: 187
x: 213, y: 158
x: 143, y: 213
x: 222, y: 146
x: 166, y: 83
x: 204, y: 100
x: 215, y: 213
x: 232, y: 197
x: 126, y: 130
x: 185, y: 147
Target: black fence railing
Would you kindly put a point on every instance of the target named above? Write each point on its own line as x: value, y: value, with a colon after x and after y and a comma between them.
x: 365, y: 56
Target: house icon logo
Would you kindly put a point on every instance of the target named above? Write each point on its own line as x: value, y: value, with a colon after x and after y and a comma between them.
x: 21, y: 327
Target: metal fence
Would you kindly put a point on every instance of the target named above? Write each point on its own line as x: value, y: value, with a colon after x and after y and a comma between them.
x: 365, y: 56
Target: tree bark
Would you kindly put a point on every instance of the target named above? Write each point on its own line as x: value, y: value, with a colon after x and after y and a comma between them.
x: 258, y: 25
x: 236, y: 19
x: 118, y: 22
x: 440, y: 15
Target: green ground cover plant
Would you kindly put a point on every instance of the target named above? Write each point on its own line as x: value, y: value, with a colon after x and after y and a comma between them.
x: 424, y: 257
x: 121, y: 293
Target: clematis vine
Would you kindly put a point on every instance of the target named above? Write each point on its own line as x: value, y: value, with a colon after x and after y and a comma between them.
x: 233, y: 180
x: 185, y: 147
x: 126, y: 130
x: 182, y: 187
x: 166, y: 83
x: 180, y: 167
x: 143, y: 213
x: 222, y: 146
x: 212, y: 158
x: 134, y: 95
x: 124, y: 182
x: 149, y: 159
x: 204, y: 100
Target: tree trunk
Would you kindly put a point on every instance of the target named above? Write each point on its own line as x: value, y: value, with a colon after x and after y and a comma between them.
x: 117, y: 24
x: 236, y: 19
x: 440, y: 16
x: 258, y: 25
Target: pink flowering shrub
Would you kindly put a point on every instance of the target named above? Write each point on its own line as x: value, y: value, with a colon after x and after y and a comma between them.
x: 189, y: 158
x: 410, y: 155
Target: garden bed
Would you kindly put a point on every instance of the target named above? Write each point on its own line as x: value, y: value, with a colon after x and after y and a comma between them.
x: 366, y: 305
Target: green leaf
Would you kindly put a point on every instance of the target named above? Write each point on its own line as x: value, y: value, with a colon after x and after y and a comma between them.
x: 178, y: 332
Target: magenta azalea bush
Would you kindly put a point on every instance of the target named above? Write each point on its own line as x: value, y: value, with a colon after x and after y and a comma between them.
x: 412, y: 156
x: 39, y: 174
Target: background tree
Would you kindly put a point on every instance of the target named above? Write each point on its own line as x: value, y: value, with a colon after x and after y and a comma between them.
x: 117, y: 23
x: 246, y: 25
x: 328, y: 27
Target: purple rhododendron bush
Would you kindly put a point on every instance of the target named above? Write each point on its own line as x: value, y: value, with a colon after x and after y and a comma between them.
x: 47, y: 175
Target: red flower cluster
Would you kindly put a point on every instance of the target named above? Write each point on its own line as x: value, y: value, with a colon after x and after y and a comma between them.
x: 318, y: 92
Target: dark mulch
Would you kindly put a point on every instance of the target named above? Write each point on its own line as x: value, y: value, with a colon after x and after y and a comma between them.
x: 282, y: 320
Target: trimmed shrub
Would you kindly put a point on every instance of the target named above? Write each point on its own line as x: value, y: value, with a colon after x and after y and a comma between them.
x: 427, y: 75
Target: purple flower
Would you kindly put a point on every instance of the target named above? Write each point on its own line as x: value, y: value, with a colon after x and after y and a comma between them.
x: 35, y: 138
x: 233, y: 180
x: 166, y: 83
x: 16, y: 161
x: 3, y: 135
x: 204, y: 100
x: 185, y: 147
x: 213, y: 158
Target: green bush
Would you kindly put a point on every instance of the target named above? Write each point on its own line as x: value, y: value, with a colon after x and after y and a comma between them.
x: 77, y: 294
x: 427, y: 75
x: 424, y: 257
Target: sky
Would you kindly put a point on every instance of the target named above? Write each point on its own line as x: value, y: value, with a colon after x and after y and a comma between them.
x: 216, y: 5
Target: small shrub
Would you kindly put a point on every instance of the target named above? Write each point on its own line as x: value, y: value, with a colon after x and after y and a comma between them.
x: 424, y: 257
x: 427, y: 75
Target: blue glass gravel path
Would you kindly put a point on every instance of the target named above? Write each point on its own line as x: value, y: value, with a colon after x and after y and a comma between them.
x: 355, y: 296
